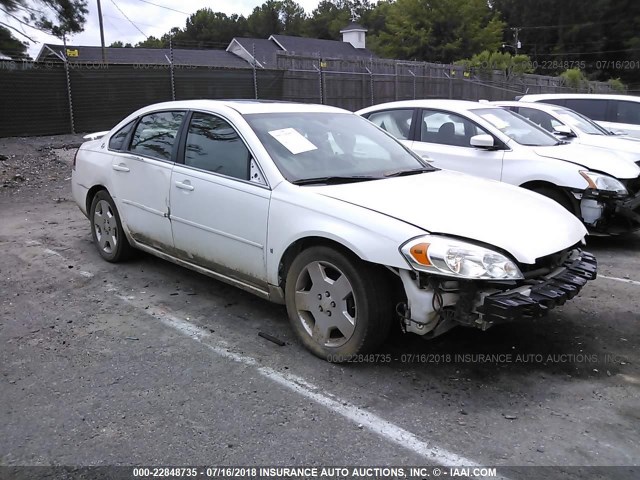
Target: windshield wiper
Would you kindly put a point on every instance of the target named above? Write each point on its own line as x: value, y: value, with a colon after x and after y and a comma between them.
x: 334, y: 180
x: 413, y: 171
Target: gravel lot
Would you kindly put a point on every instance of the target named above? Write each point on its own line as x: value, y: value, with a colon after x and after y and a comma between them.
x: 149, y: 363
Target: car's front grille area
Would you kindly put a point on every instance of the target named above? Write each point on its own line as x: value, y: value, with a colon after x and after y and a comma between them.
x: 546, y: 264
x: 633, y: 184
x: 543, y: 296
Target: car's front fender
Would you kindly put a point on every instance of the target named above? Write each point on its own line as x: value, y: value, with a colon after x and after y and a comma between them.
x: 297, y: 213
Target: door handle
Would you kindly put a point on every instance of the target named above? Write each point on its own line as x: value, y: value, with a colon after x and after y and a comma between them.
x: 185, y: 186
x: 120, y: 168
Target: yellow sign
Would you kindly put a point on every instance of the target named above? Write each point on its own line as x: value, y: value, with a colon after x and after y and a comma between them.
x: 72, y: 53
x: 323, y: 64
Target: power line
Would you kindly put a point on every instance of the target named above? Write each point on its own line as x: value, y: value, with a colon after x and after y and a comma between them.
x: 162, y: 6
x: 587, y: 53
x: 586, y: 24
x: 130, y: 21
x: 118, y: 18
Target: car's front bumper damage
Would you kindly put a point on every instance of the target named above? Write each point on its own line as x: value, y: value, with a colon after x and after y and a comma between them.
x: 535, y: 300
x: 435, y: 305
x: 610, y: 213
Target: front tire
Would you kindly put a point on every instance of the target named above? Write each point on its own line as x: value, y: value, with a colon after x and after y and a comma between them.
x: 557, y: 196
x: 337, y: 304
x: 106, y: 229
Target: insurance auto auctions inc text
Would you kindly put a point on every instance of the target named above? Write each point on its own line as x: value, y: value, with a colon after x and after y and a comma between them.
x: 376, y: 472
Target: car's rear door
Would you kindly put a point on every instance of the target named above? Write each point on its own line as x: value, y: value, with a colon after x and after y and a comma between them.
x: 444, y: 137
x: 396, y: 121
x: 219, y: 201
x: 142, y: 175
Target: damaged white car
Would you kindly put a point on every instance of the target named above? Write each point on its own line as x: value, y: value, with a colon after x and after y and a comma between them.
x: 316, y: 208
x: 600, y: 187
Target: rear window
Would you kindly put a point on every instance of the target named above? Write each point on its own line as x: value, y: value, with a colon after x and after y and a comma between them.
x: 627, y: 112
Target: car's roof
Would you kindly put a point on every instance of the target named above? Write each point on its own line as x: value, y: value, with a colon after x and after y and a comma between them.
x: 537, y: 105
x: 444, y: 104
x: 245, y: 106
x: 595, y: 96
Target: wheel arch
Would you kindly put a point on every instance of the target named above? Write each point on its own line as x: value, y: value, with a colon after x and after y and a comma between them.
x: 304, y: 243
x: 91, y: 193
x: 535, y: 185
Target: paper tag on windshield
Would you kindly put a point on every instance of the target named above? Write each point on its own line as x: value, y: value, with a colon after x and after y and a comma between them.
x: 292, y: 140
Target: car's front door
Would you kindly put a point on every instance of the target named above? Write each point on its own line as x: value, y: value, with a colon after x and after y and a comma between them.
x: 445, y: 138
x: 142, y: 175
x: 219, y: 202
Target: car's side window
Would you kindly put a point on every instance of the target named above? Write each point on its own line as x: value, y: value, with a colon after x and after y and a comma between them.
x: 213, y: 145
x: 540, y: 118
x: 448, y: 129
x: 595, y: 109
x: 117, y: 140
x: 628, y: 112
x: 156, y: 134
x: 396, y: 122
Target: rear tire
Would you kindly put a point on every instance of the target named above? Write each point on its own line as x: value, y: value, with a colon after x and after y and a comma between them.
x: 337, y: 304
x: 106, y: 229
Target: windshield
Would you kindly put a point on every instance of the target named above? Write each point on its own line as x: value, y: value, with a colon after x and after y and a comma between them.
x: 315, y: 145
x: 517, y: 127
x: 580, y: 122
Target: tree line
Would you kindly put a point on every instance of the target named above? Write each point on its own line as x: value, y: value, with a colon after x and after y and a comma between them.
x: 600, y: 37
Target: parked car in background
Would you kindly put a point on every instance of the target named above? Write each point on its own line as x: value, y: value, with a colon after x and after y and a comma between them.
x: 574, y: 127
x: 316, y: 208
x: 616, y: 113
x: 599, y: 187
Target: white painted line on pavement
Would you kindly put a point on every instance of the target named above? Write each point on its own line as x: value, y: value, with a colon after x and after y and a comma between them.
x: 383, y: 428
x: 623, y: 280
x: 52, y: 252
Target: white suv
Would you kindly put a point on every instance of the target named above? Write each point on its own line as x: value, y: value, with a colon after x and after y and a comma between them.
x: 618, y: 113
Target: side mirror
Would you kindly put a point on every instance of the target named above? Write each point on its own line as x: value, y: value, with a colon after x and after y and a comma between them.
x: 619, y: 132
x: 482, y: 141
x: 563, y: 130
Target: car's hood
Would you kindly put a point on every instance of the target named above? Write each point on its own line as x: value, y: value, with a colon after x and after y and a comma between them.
x: 615, y: 163
x: 523, y: 223
x: 626, y: 144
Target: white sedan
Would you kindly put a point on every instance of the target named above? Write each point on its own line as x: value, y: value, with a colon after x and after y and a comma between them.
x: 600, y: 187
x: 316, y: 208
x: 574, y: 127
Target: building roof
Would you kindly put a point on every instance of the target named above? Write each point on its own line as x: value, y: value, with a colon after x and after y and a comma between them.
x: 353, y: 26
x: 265, y: 50
x: 322, y: 48
x: 151, y: 56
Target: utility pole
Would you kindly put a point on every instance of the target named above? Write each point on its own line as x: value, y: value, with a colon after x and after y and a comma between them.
x: 516, y: 45
x: 104, y: 52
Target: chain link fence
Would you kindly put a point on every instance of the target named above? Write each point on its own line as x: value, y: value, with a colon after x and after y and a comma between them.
x: 41, y: 98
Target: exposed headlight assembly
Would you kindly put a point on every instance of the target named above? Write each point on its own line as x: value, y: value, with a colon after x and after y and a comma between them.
x: 454, y: 258
x: 598, y: 181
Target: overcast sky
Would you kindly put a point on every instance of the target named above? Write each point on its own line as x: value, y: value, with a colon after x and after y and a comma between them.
x: 152, y: 20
